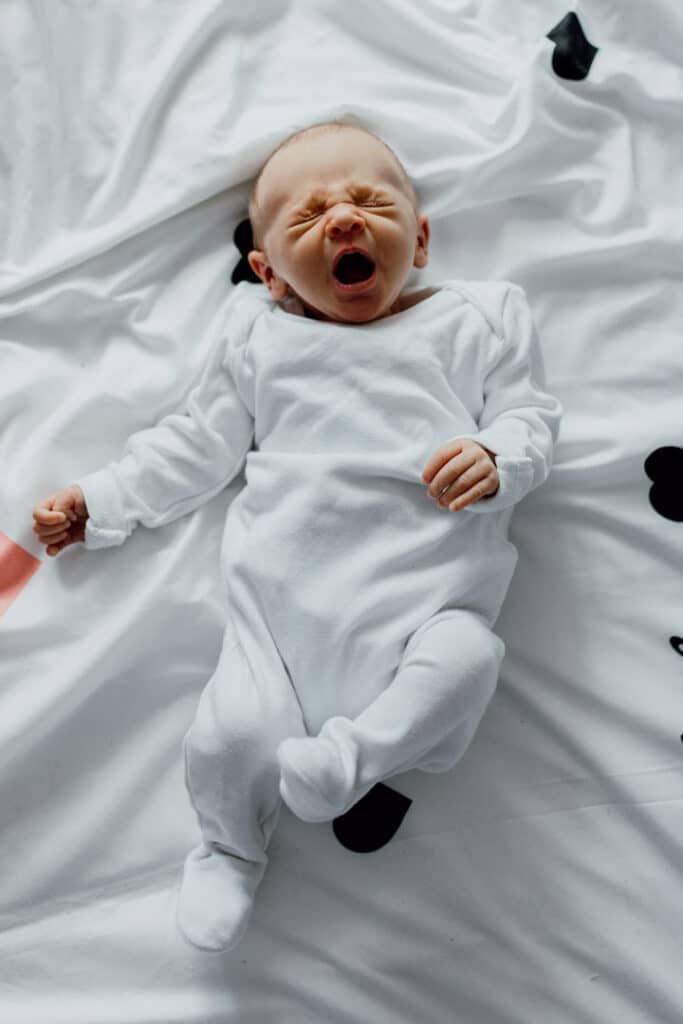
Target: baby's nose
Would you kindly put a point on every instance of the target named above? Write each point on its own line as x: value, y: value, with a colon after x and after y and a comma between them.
x: 344, y: 219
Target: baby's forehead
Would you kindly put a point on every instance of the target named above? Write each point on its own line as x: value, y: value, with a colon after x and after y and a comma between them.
x: 289, y: 174
x: 280, y: 186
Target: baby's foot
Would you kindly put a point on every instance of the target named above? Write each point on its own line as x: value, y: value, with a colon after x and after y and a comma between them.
x: 318, y: 774
x: 216, y: 898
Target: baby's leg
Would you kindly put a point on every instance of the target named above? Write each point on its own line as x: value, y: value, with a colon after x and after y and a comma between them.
x: 437, y: 698
x: 232, y: 777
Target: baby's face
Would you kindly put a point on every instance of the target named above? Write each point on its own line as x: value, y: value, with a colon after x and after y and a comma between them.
x: 325, y: 193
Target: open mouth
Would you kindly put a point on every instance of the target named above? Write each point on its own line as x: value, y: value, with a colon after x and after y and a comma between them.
x: 354, y: 268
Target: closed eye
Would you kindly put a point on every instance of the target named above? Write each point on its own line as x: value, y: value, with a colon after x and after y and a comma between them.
x: 304, y: 220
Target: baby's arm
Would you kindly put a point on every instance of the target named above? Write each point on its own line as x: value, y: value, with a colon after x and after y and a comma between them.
x: 172, y: 468
x: 520, y: 421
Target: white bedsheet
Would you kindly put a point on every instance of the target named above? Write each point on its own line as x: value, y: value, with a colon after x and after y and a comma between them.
x: 540, y: 879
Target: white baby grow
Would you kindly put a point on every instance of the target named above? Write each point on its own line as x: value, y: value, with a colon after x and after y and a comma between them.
x: 359, y: 640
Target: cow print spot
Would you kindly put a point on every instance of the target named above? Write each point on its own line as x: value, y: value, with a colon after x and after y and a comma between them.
x: 373, y: 821
x: 664, y: 466
x: 244, y: 240
x: 573, y: 54
x: 677, y: 644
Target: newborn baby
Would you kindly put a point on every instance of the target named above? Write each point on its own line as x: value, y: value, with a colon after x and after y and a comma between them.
x: 385, y: 438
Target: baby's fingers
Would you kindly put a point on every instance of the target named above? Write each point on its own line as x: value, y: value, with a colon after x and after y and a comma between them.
x: 438, y: 458
x: 46, y: 533
x: 55, y: 548
x: 53, y: 541
x: 474, y: 494
x: 48, y: 516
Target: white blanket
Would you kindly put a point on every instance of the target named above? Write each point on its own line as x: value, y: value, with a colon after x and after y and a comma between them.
x: 537, y: 881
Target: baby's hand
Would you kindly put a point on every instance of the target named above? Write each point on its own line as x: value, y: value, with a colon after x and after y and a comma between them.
x: 460, y: 472
x: 60, y: 519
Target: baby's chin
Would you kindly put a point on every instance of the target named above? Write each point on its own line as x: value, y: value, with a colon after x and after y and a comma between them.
x: 361, y: 309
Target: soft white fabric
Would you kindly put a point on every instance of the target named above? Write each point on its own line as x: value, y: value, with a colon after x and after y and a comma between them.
x: 538, y: 879
x: 333, y: 553
x: 247, y: 746
x: 216, y: 898
x: 425, y: 718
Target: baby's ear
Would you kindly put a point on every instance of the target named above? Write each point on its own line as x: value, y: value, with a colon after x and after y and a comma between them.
x: 256, y: 265
x: 422, y: 243
x: 276, y: 285
x: 244, y: 240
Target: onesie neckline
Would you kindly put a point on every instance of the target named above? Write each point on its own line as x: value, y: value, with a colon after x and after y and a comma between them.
x: 277, y: 309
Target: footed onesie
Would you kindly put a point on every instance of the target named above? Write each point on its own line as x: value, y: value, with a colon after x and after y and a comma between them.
x: 360, y: 637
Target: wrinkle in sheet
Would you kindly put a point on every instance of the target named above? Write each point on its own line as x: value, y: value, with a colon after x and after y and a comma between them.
x: 550, y: 853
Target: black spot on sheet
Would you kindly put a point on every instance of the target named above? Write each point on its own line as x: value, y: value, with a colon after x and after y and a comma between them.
x: 664, y: 466
x: 244, y: 240
x: 573, y: 54
x: 373, y: 821
x: 677, y: 644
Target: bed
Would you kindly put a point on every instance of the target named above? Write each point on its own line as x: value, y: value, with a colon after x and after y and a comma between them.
x: 540, y: 879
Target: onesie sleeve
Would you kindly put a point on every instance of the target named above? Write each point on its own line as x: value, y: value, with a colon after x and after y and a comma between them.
x: 520, y: 420
x: 173, y: 467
